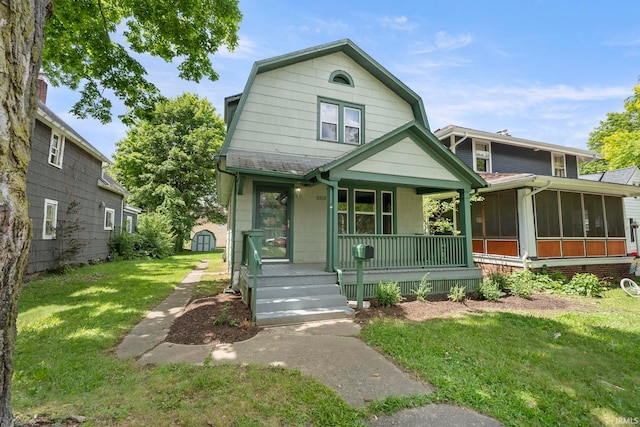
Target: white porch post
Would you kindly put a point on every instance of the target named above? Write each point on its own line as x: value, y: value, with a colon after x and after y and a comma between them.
x: 465, y: 225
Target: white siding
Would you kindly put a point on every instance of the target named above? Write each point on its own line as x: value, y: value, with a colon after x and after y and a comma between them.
x: 405, y: 159
x: 309, y: 225
x: 244, y: 218
x: 632, y: 210
x: 280, y: 113
x: 409, y: 211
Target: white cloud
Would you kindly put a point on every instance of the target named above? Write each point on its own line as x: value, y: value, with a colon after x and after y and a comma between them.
x: 321, y: 26
x: 246, y: 49
x: 397, y: 23
x: 446, y: 42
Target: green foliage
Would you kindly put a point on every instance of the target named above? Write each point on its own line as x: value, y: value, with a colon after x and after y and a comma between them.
x: 522, y: 283
x: 457, y: 293
x: 155, y: 239
x: 489, y: 289
x: 80, y: 47
x: 437, y: 214
x: 585, y: 284
x: 500, y: 279
x: 167, y: 162
x: 424, y: 289
x: 388, y: 294
x: 124, y: 245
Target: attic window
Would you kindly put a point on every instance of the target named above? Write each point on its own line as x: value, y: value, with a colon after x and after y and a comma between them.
x: 341, y: 77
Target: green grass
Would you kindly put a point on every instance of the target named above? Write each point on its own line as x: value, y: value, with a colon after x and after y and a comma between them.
x: 517, y: 368
x: 69, y: 326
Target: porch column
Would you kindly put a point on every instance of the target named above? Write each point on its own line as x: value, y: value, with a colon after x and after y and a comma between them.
x: 332, y: 223
x: 465, y: 225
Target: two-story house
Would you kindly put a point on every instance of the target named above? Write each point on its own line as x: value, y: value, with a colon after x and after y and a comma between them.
x: 535, y: 211
x: 325, y: 150
x: 73, y: 205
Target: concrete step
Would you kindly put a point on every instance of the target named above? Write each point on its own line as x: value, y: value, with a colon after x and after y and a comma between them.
x: 300, y: 316
x: 297, y: 290
x: 290, y: 303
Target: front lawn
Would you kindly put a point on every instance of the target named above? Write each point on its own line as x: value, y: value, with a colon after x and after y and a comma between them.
x: 69, y: 326
x: 574, y: 368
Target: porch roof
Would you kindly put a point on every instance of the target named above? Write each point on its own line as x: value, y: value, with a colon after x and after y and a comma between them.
x: 272, y: 163
x: 506, y: 181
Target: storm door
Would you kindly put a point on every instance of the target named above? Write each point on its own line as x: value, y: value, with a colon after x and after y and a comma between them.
x: 273, y: 216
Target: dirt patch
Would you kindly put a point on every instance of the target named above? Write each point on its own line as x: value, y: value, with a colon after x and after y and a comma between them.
x: 223, y: 318
x: 217, y: 319
x: 438, y: 306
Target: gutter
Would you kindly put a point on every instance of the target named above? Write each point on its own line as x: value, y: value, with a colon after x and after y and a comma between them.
x: 332, y: 242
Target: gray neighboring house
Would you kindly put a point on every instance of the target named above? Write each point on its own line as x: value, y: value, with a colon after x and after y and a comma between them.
x: 626, y: 176
x: 67, y: 171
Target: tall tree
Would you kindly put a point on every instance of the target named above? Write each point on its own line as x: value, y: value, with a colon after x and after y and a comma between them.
x: 615, y: 136
x: 79, y: 51
x: 167, y: 162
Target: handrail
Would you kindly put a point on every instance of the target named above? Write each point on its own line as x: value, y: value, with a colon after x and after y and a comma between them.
x: 255, y: 268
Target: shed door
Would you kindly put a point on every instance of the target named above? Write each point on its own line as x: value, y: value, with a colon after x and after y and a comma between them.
x: 203, y: 242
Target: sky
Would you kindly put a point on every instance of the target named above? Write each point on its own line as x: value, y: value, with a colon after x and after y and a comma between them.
x: 548, y: 71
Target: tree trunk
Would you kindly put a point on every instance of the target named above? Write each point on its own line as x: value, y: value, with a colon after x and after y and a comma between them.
x: 21, y: 41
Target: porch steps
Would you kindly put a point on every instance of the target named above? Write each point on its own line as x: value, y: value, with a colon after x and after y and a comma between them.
x: 299, y: 297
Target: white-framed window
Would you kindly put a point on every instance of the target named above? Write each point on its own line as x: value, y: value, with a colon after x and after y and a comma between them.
x: 340, y: 122
x: 365, y: 211
x: 343, y: 211
x: 109, y: 216
x: 50, y: 219
x: 559, y: 164
x: 56, y: 149
x: 128, y: 223
x: 481, y: 156
x: 387, y: 212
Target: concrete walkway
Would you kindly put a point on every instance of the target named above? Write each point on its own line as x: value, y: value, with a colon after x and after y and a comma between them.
x: 329, y: 351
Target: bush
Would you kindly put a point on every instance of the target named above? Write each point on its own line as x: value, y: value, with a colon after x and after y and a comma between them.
x: 522, y: 283
x: 457, y: 293
x: 124, y: 245
x: 586, y: 284
x: 423, y: 290
x: 489, y: 290
x: 499, y: 279
x: 388, y: 294
x: 155, y: 239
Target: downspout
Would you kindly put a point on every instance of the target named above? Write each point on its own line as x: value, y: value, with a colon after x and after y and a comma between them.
x: 525, y: 256
x: 453, y: 146
x: 538, y: 190
x: 233, y: 221
x: 332, y: 227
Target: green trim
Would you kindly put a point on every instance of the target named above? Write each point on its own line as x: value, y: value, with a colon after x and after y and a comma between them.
x: 290, y: 214
x: 340, y: 75
x: 241, y: 180
x: 341, y: 106
x: 345, y: 46
x: 262, y: 174
x: 378, y: 189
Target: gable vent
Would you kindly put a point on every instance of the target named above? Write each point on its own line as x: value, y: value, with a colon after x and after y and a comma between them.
x: 341, y: 77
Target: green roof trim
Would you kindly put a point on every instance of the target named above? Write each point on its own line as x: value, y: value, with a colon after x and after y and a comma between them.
x: 350, y: 49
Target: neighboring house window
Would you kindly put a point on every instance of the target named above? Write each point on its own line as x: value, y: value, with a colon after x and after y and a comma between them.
x: 341, y: 122
x: 128, y: 223
x: 109, y: 215
x: 387, y: 212
x: 365, y: 211
x: 482, y: 156
x: 50, y: 219
x: 559, y: 165
x: 495, y: 216
x: 343, y: 211
x: 56, y: 149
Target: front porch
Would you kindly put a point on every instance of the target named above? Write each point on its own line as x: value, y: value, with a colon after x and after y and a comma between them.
x: 293, y: 292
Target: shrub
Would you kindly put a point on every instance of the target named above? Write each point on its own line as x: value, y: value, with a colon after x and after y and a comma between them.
x: 586, y: 284
x: 501, y: 280
x: 388, y: 294
x: 522, y: 283
x: 155, y: 239
x: 424, y: 289
x: 124, y: 245
x: 457, y: 293
x: 489, y: 289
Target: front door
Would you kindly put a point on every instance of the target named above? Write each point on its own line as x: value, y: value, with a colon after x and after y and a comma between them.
x: 273, y: 216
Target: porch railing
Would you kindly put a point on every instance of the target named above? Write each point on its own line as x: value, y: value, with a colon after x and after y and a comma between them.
x: 404, y: 251
x: 252, y: 240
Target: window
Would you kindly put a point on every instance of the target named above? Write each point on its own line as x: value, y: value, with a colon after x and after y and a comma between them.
x: 109, y: 215
x: 495, y: 216
x: 387, y: 212
x: 56, y: 149
x: 572, y: 219
x: 341, y: 77
x: 50, y: 219
x: 547, y: 214
x: 343, y: 211
x: 341, y: 122
x: 128, y: 223
x: 365, y: 211
x: 614, y: 213
x: 482, y: 156
x: 559, y: 164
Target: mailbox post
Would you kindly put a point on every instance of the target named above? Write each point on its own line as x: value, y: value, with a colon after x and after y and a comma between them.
x: 361, y: 253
